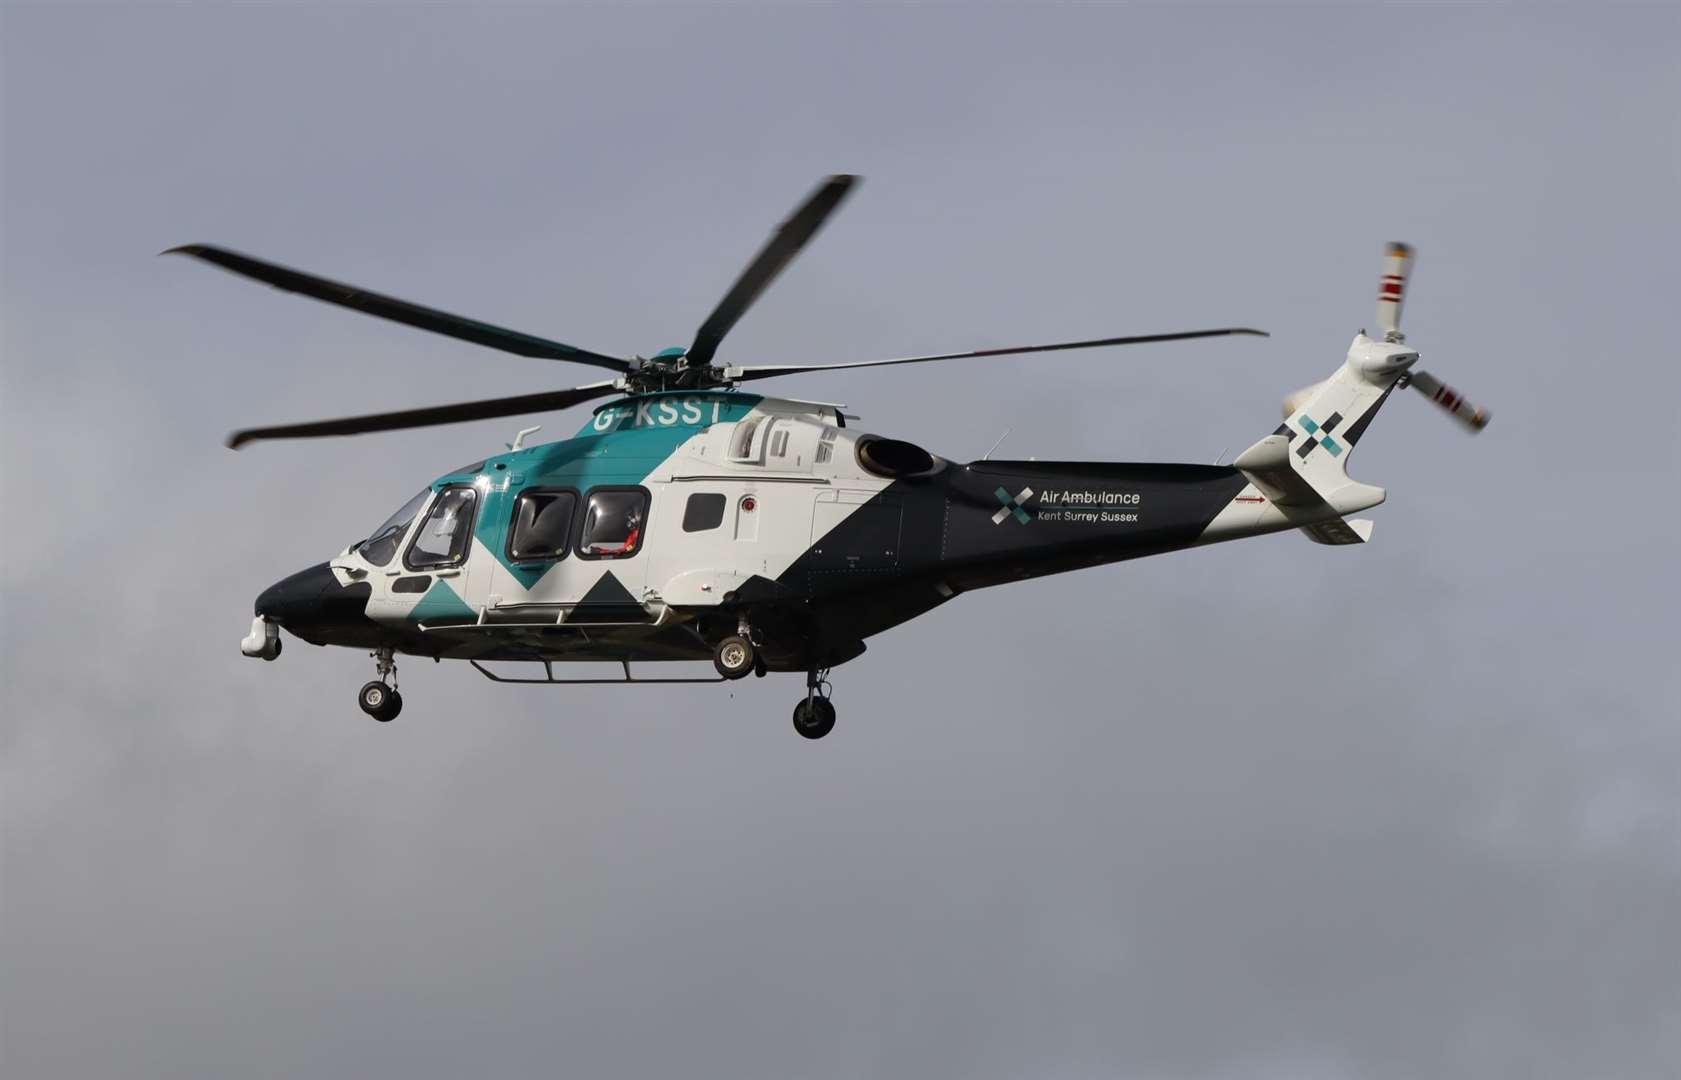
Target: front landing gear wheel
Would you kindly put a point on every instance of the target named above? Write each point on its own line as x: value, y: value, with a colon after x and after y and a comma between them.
x: 814, y: 717
x: 734, y: 657
x: 380, y: 701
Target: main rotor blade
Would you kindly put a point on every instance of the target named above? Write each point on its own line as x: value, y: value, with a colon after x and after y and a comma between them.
x: 789, y: 238
x: 767, y: 371
x: 437, y: 414
x: 389, y: 307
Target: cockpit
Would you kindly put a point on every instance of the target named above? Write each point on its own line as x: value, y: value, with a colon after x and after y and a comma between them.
x: 446, y: 532
x: 442, y: 538
x: 381, y: 544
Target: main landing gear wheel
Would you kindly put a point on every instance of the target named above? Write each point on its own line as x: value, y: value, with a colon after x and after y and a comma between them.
x: 814, y: 717
x: 380, y: 701
x: 734, y: 657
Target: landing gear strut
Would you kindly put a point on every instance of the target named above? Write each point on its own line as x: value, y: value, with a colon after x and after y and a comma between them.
x: 814, y: 717
x: 380, y: 699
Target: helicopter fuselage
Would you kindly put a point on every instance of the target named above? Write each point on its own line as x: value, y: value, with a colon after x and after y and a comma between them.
x: 673, y: 520
x: 689, y: 520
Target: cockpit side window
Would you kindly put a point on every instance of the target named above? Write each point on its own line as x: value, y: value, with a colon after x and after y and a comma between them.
x: 446, y: 532
x: 542, y: 524
x: 382, y: 543
x: 615, y: 521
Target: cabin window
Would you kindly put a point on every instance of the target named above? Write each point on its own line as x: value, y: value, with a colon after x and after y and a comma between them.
x: 704, y: 510
x: 826, y: 446
x: 445, y: 532
x: 614, y: 523
x: 542, y: 525
x: 779, y: 442
x: 382, y: 543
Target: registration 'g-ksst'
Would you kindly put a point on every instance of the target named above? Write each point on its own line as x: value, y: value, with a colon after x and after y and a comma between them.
x: 690, y: 519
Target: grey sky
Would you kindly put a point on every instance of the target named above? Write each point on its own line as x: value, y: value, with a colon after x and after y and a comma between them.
x: 1266, y: 809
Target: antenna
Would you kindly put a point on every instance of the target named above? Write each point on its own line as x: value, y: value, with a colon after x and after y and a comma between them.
x: 997, y: 444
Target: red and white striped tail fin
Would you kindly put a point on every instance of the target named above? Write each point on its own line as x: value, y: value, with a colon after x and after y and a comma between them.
x: 1392, y: 289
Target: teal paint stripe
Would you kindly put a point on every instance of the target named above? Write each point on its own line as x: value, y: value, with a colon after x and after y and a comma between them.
x: 495, y: 520
x: 677, y: 408
x: 441, y: 603
x: 639, y: 434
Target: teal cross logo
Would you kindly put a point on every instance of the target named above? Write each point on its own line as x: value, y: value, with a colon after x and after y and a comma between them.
x: 1323, y: 431
x: 1012, y: 506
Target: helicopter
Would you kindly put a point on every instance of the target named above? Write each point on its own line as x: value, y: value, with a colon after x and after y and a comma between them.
x: 690, y: 519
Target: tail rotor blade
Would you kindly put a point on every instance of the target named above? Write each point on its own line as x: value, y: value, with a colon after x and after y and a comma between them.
x: 1451, y: 401
x: 1392, y: 287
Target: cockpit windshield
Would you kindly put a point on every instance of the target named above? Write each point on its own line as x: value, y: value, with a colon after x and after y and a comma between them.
x: 382, y: 543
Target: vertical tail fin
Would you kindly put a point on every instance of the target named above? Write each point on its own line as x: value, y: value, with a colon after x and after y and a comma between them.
x: 1298, y: 475
x: 1304, y: 463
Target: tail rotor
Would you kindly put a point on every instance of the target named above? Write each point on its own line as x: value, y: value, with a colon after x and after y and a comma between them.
x: 1392, y: 289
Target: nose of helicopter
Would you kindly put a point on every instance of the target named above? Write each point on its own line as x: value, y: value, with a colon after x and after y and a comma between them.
x: 296, y: 597
x: 313, y: 605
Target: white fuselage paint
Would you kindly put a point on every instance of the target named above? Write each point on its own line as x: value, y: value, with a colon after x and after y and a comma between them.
x: 773, y: 478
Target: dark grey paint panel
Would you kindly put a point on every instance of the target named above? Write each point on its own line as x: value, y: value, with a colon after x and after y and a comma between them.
x: 956, y: 531
x: 1054, y: 511
x: 867, y: 541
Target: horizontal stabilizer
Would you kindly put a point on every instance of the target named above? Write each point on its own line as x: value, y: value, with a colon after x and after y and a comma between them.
x: 1339, y: 531
x: 1267, y: 466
